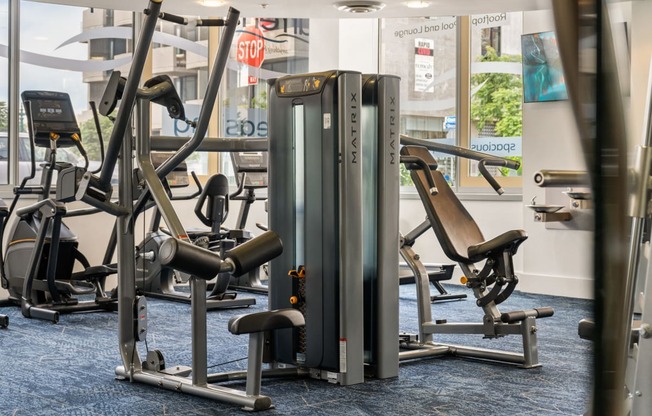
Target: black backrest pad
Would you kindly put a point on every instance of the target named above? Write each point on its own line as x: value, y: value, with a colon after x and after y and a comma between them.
x: 454, y: 227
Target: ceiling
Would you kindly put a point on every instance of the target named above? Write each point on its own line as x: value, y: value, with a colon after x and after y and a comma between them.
x: 317, y: 8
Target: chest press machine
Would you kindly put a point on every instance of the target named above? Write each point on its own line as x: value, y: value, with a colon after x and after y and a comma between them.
x: 463, y: 242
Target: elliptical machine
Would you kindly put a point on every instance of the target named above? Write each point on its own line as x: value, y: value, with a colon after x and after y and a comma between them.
x: 42, y: 251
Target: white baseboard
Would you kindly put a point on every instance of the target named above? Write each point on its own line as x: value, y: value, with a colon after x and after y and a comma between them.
x: 573, y: 287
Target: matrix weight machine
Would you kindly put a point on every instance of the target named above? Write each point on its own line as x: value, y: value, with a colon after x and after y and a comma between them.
x: 322, y: 135
x: 177, y: 252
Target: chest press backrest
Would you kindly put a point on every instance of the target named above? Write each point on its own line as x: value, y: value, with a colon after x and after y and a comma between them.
x: 454, y: 227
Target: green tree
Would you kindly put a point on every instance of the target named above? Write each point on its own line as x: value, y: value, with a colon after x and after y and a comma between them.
x: 260, y: 101
x: 90, y: 139
x: 499, y: 100
x: 406, y: 179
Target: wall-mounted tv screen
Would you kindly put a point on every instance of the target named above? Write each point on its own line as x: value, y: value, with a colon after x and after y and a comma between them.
x: 543, y: 75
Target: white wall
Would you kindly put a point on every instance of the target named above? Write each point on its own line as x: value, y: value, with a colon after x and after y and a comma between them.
x: 641, y: 52
x: 555, y: 261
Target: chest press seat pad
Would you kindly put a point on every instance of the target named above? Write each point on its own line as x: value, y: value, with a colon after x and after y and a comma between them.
x: 457, y: 232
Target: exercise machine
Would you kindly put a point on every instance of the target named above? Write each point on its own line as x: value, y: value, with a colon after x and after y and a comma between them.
x: 463, y: 242
x: 250, y: 169
x: 436, y: 272
x: 41, y: 250
x: 158, y: 281
x: 320, y: 142
x: 314, y: 120
x: 637, y: 332
x: 594, y: 83
x: 177, y: 252
x: 154, y: 279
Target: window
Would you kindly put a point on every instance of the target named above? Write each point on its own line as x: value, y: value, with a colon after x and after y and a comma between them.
x: 280, y: 48
x: 181, y: 52
x: 62, y: 54
x: 497, y: 96
x: 428, y: 81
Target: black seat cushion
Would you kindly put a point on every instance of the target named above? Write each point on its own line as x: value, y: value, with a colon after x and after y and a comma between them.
x: 266, y: 321
x: 509, y: 240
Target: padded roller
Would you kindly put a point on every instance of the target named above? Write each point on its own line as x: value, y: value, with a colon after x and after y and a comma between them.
x: 187, y: 258
x: 517, y: 316
x: 255, y: 252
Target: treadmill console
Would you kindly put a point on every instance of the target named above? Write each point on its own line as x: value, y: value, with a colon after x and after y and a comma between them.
x: 253, y: 165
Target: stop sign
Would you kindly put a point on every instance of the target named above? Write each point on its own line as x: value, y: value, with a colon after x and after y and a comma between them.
x: 251, y: 47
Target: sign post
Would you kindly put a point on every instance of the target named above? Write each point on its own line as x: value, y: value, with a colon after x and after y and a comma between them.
x: 424, y: 65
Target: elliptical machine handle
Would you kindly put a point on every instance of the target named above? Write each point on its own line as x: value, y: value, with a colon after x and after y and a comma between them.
x: 192, y: 195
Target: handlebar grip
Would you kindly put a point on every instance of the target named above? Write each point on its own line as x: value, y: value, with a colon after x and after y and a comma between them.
x: 210, y: 22
x: 586, y: 329
x: 516, y: 316
x: 415, y: 162
x: 169, y: 17
x: 487, y: 176
x: 255, y: 252
x: 192, y: 195
x: 190, y: 259
x: 173, y: 18
x: 28, y: 190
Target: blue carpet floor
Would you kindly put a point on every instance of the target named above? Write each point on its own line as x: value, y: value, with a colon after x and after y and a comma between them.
x: 68, y: 368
